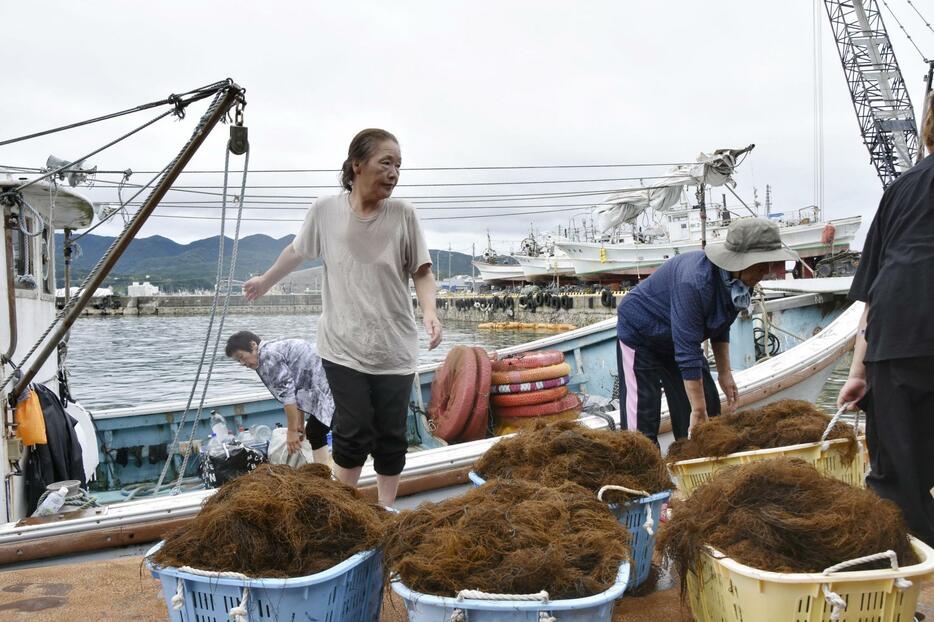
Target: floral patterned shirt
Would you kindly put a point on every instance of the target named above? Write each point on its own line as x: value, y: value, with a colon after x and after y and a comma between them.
x: 292, y: 371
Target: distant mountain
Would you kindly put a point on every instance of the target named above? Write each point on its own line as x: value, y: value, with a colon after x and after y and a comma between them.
x: 174, y: 267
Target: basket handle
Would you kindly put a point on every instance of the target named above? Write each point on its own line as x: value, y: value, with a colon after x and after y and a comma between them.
x: 649, y: 524
x: 459, y: 615
x: 825, y: 444
x: 837, y: 603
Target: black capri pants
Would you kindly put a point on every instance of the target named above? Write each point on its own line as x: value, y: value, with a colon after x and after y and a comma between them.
x: 370, y: 412
x: 316, y: 432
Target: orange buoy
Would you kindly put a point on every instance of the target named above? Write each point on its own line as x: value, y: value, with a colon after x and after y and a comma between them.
x: 529, y: 360
x: 453, y: 393
x: 519, y: 376
x: 530, y: 397
x: 568, y: 402
x: 476, y: 426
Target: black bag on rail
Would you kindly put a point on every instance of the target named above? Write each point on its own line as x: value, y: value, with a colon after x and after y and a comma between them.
x: 237, y: 459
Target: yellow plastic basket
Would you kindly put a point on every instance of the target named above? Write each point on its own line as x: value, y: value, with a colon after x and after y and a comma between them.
x: 692, y: 473
x: 723, y: 590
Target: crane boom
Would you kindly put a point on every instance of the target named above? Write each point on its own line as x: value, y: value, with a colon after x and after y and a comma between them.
x: 880, y: 98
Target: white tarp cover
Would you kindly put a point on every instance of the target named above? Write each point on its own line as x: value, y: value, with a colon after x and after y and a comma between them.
x: 626, y: 205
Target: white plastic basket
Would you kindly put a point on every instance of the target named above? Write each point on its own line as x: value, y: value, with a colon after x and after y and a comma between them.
x: 596, y: 608
x: 351, y: 591
x: 723, y: 590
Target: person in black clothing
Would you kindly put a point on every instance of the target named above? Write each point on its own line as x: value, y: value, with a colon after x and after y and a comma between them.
x: 893, y: 361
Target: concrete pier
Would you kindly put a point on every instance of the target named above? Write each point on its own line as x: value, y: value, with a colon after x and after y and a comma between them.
x: 201, y: 305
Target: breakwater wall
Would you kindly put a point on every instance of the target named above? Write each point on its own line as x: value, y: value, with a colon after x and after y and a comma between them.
x: 201, y: 305
x: 542, y: 308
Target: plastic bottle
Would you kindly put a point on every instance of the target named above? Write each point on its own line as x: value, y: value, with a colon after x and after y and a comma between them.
x: 244, y: 436
x: 215, y: 446
x: 219, y: 425
x: 262, y: 433
x: 52, y: 503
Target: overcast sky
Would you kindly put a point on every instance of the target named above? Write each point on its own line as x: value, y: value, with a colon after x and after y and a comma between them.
x: 462, y: 84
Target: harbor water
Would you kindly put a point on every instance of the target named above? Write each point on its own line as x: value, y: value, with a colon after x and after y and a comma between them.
x: 116, y: 362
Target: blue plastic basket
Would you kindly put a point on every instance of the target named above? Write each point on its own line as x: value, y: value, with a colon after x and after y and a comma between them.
x: 632, y: 515
x: 596, y: 608
x: 351, y: 591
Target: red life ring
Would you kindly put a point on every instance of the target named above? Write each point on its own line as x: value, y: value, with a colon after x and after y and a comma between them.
x: 568, y: 402
x: 529, y: 360
x: 476, y: 426
x: 531, y: 375
x: 453, y: 393
x: 530, y: 386
x: 531, y: 397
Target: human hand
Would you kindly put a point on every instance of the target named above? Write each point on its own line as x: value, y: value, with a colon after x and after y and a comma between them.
x: 433, y: 328
x: 697, y: 417
x: 293, y: 440
x: 729, y: 389
x: 254, y: 288
x: 852, y: 391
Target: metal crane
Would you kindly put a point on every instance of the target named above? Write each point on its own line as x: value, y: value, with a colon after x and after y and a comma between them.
x: 880, y: 98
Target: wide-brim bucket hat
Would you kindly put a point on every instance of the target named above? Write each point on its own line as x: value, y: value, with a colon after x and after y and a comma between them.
x: 749, y: 241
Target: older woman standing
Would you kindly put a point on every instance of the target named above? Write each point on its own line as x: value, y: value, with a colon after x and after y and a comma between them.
x: 370, y: 245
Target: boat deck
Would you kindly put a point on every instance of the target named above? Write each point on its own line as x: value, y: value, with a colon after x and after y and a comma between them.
x: 122, y: 589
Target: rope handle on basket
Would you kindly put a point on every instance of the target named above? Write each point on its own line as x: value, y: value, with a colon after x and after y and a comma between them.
x: 837, y: 603
x: 239, y: 613
x: 825, y: 444
x: 459, y: 615
x: 649, y: 524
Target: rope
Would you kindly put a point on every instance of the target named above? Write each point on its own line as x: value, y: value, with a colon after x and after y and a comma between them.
x: 240, y: 613
x: 178, y: 601
x: 71, y: 303
x: 649, y: 524
x: 220, y: 328
x: 22, y: 221
x: 838, y: 603
x: 199, y: 93
x: 825, y: 444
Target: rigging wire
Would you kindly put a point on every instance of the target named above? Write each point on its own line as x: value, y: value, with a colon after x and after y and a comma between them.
x: 905, y: 32
x: 427, y: 168
x: 818, y: 84
x: 175, y: 100
x: 93, y: 153
x: 923, y: 19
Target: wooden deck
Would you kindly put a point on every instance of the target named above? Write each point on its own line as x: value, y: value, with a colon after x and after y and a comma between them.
x: 122, y: 589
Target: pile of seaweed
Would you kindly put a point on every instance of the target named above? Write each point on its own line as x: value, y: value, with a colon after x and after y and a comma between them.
x: 782, y: 515
x: 552, y: 454
x: 276, y: 522
x: 509, y: 537
x: 787, y: 422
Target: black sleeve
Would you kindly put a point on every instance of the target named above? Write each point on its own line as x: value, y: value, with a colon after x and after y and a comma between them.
x: 869, y: 262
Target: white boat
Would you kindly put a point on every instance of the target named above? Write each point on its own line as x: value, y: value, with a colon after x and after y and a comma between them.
x: 543, y: 261
x: 636, y: 255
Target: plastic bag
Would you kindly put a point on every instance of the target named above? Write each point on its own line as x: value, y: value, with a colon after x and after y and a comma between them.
x: 235, y: 461
x: 279, y: 450
x: 30, y: 422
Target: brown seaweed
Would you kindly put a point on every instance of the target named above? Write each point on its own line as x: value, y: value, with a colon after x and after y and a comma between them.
x: 782, y: 515
x: 552, y: 454
x: 783, y: 423
x: 509, y: 537
x: 276, y: 522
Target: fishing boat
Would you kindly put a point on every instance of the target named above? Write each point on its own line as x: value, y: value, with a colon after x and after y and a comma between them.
x: 159, y: 441
x: 542, y: 262
x: 638, y: 253
x: 496, y: 268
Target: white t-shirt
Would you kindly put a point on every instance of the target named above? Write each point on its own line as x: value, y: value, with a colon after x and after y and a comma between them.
x: 367, y: 320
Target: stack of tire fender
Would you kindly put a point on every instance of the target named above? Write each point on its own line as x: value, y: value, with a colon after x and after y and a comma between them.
x: 531, y: 387
x: 460, y: 406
